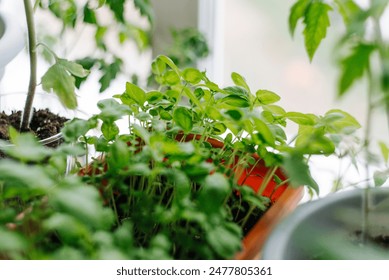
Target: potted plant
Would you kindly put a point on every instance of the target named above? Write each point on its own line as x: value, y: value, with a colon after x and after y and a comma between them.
x: 197, y: 162
x: 59, y: 79
x: 351, y: 224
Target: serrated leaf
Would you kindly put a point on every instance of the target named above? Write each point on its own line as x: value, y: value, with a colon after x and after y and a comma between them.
x: 73, y: 68
x: 297, y: 12
x: 316, y: 22
x: 110, y: 72
x: 58, y: 80
x: 117, y: 7
x: 354, y: 66
x: 348, y: 9
x: 239, y: 81
x: 89, y: 15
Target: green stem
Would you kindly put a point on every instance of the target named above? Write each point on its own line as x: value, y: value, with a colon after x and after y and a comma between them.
x: 366, y: 196
x: 33, y: 65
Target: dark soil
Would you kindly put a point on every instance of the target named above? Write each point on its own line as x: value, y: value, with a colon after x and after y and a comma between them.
x: 43, y: 123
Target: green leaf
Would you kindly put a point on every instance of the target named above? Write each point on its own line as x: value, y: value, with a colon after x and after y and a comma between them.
x: 169, y: 62
x: 145, y: 8
x: 311, y: 140
x: 298, y: 172
x: 300, y: 118
x: 111, y: 110
x: 136, y: 93
x: 119, y: 156
x: 26, y: 147
x: 12, y: 242
x: 384, y: 150
x: 27, y: 176
x: 378, y: 7
x: 267, y: 97
x: 264, y: 131
x: 380, y: 177
x: 348, y: 9
x: 158, y: 67
x: 234, y: 100
x: 73, y: 68
x: 117, y: 7
x: 225, y: 239
x: 338, y: 122
x: 213, y: 193
x: 83, y: 203
x: 183, y: 118
x: 89, y: 15
x: 110, y: 130
x: 297, y: 12
x: 62, y: 83
x: 192, y: 75
x: 354, y: 66
x: 171, y: 77
x: 239, y: 81
x: 316, y: 22
x: 76, y: 128
x: 109, y: 73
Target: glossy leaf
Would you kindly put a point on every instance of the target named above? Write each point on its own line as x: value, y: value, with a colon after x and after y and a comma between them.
x: 267, y: 97
x: 192, y: 75
x: 240, y: 81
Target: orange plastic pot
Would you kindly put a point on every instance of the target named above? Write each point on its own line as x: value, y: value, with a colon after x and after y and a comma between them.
x: 284, y: 199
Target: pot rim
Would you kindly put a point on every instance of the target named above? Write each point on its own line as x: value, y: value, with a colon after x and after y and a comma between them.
x: 275, y: 246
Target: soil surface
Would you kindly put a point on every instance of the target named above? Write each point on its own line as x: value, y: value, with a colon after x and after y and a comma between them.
x: 43, y: 123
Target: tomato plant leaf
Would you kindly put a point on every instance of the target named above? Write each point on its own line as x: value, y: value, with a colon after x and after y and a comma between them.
x: 354, y: 66
x: 316, y: 22
x: 57, y: 79
x: 297, y: 12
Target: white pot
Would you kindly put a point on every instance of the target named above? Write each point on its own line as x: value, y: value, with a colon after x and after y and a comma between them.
x: 11, y: 40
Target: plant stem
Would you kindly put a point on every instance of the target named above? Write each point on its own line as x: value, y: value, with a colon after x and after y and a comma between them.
x: 33, y: 65
x: 366, y: 195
